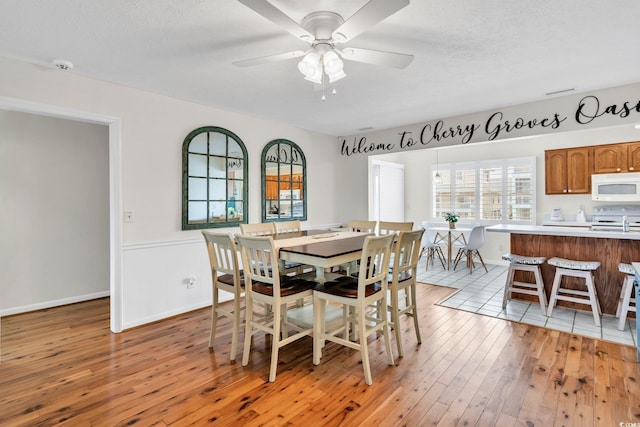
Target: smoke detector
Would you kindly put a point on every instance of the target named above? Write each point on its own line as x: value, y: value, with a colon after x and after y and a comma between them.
x: 62, y: 64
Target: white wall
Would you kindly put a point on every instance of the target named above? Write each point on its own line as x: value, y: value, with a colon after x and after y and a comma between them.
x: 153, y: 128
x: 54, y: 199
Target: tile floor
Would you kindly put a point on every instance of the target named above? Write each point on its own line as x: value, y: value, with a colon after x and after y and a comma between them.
x: 482, y: 293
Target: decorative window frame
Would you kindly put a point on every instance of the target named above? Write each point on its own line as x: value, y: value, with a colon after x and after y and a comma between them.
x: 231, y: 219
x: 303, y: 182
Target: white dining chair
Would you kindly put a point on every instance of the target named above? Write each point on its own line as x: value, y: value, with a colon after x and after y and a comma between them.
x: 402, y: 279
x: 355, y: 295
x: 271, y: 229
x: 471, y: 249
x: 227, y: 276
x: 263, y: 284
x: 431, y: 245
x: 284, y: 227
x: 258, y: 229
x: 389, y: 227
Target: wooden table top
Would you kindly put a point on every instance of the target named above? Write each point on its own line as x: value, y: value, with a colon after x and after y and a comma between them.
x: 328, y: 249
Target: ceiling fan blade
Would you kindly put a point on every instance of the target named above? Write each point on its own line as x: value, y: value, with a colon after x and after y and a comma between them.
x: 269, y: 58
x: 370, y: 14
x: 275, y: 15
x: 377, y: 57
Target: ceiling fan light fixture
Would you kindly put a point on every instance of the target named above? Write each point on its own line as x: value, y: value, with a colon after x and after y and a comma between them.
x: 316, y: 77
x: 332, y: 62
x: 334, y: 77
x: 310, y: 64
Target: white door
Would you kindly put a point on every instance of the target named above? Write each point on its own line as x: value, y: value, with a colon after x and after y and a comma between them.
x: 386, y: 186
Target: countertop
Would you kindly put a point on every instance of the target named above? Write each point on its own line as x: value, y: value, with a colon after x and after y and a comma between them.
x: 550, y: 230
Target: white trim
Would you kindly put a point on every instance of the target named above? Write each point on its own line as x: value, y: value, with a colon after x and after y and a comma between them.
x: 151, y: 245
x: 115, y: 190
x: 53, y: 303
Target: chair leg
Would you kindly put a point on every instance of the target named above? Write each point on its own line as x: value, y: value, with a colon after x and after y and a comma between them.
x: 214, y: 316
x: 414, y: 312
x: 595, y: 306
x: 364, y: 349
x: 248, y: 330
x: 275, y: 342
x: 481, y: 260
x: 542, y: 297
x: 507, y: 287
x: 627, y: 289
x: 236, y: 327
x: 554, y: 293
x: 395, y: 320
x: 440, y: 256
x: 458, y: 258
x: 387, y: 343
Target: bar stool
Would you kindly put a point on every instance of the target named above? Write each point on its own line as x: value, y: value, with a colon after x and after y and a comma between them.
x: 625, y: 301
x: 580, y: 269
x: 525, y: 263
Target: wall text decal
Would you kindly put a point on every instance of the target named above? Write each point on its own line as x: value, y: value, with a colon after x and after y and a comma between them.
x: 495, y: 126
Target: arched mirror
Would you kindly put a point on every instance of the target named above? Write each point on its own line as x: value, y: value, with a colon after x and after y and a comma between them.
x: 214, y: 179
x: 284, y: 182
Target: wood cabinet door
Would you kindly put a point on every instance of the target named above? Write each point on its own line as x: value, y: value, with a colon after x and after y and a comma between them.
x: 610, y: 158
x: 555, y: 171
x: 579, y: 171
x: 633, y: 156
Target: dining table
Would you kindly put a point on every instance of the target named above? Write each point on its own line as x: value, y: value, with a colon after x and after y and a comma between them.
x: 450, y: 235
x: 321, y: 249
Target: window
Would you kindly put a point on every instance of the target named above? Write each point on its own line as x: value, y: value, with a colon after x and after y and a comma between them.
x: 499, y: 191
x: 214, y: 179
x: 284, y: 182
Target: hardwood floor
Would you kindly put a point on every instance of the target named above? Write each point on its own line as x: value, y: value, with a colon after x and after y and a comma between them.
x: 63, y: 366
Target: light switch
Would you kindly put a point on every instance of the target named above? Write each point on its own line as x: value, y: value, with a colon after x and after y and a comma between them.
x: 128, y: 216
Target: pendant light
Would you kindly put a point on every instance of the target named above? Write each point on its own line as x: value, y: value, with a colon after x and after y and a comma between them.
x: 437, y: 178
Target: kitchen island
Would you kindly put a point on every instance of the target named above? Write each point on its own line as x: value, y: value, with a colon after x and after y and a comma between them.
x: 582, y: 244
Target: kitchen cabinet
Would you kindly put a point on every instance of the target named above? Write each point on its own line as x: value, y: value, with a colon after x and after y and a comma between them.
x: 614, y: 158
x: 568, y: 171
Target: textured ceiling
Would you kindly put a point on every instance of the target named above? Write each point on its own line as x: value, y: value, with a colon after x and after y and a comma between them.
x: 469, y: 55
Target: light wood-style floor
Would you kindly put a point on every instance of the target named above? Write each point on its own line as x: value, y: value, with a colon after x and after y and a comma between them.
x: 63, y: 366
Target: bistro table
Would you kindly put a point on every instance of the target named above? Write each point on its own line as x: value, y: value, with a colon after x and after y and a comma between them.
x: 452, y: 235
x: 322, y: 250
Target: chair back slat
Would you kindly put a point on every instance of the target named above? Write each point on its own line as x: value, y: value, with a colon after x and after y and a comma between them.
x: 374, y: 263
x: 363, y: 226
x: 283, y: 227
x: 407, y: 251
x: 260, y: 229
x: 260, y: 260
x: 387, y: 227
x: 223, y: 254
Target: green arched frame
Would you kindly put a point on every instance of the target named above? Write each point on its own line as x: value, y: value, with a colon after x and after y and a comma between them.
x: 284, y: 182
x: 214, y: 179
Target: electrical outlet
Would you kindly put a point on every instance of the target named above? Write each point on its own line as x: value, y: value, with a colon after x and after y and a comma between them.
x: 191, y: 282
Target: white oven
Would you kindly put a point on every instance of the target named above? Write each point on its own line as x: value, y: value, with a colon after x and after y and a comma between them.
x: 615, y: 187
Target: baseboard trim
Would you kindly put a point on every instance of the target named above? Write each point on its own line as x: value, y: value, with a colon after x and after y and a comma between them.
x: 53, y: 303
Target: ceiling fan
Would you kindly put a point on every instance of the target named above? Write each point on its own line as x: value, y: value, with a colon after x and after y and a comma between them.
x: 323, y: 30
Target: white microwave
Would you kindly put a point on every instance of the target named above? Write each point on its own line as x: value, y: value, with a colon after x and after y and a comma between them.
x: 615, y: 187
